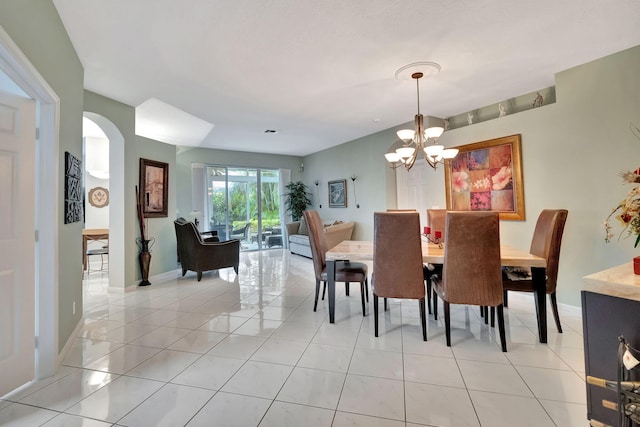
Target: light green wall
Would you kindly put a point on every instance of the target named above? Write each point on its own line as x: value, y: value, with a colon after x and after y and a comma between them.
x: 572, y: 153
x: 185, y: 156
x: 163, y: 254
x: 34, y: 25
x: 374, y: 187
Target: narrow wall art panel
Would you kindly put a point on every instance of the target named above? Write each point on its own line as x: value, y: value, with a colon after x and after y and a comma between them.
x: 73, y: 194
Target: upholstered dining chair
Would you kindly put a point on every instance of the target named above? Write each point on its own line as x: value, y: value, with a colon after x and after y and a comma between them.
x: 471, y: 273
x: 545, y: 243
x: 436, y: 219
x: 397, y: 261
x: 346, y: 271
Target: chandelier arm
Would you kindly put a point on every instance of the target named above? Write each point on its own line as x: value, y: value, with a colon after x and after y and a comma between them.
x: 432, y: 163
x: 412, y: 160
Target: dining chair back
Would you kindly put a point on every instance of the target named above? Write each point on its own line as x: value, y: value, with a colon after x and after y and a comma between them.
x: 471, y: 273
x: 436, y: 219
x: 397, y: 260
x: 345, y: 271
x: 546, y: 242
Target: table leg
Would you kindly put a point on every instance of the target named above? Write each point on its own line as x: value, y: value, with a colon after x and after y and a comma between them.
x: 540, y: 285
x: 331, y: 284
x: 84, y: 253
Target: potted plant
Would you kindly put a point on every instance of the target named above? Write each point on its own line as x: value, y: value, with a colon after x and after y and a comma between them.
x: 297, y: 199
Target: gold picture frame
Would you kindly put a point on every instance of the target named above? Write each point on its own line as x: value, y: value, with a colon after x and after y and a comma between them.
x: 487, y: 176
x: 154, y: 188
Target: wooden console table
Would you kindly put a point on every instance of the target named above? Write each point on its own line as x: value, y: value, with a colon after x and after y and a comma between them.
x: 92, y: 234
x: 610, y: 307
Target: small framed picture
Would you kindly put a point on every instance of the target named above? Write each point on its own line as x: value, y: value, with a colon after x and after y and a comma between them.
x: 154, y: 188
x: 338, y: 193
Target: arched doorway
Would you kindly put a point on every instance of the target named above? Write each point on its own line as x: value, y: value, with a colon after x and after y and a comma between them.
x: 116, y: 200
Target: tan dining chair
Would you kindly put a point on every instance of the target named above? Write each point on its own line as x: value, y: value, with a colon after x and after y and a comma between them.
x: 545, y: 243
x: 346, y: 271
x: 471, y: 273
x: 436, y: 219
x: 397, y: 261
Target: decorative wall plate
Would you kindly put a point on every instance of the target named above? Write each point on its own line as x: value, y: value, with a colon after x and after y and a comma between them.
x: 99, y: 197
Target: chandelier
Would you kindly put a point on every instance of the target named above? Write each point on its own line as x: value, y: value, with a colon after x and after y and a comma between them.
x: 420, y: 139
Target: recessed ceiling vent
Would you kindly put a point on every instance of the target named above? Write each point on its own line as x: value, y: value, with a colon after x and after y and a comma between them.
x: 270, y: 131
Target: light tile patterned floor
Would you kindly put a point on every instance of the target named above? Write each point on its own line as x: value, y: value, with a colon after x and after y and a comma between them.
x: 249, y: 350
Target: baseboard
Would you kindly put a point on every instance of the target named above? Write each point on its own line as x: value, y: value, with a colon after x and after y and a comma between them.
x: 69, y: 343
x: 157, y: 278
x: 166, y: 276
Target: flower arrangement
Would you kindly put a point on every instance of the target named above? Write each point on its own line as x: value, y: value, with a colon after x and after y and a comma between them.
x: 628, y: 211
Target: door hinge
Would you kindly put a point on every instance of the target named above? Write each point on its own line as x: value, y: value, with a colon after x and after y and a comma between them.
x: 36, y: 342
x: 37, y: 236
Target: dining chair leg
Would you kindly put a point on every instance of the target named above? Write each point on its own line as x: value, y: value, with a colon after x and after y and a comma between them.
x: 503, y: 338
x: 386, y: 306
x: 427, y: 278
x: 435, y: 305
x: 481, y: 311
x: 556, y: 316
x: 315, y: 303
x: 493, y: 317
x: 324, y: 290
x: 505, y: 298
x: 375, y: 314
x: 362, y: 292
x: 347, y: 288
x: 447, y: 323
x: 366, y: 287
x: 486, y: 314
x: 429, y: 294
x: 423, y: 319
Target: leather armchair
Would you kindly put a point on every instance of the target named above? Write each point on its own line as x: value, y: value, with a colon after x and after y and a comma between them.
x: 199, y: 255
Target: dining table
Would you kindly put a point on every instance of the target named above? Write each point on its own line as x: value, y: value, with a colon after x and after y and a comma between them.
x: 92, y: 234
x: 358, y: 250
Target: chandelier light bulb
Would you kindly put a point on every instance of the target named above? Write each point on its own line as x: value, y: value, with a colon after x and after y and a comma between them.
x: 449, y: 153
x: 392, y: 157
x: 433, y: 132
x: 405, y: 152
x: 433, y: 151
x: 406, y: 135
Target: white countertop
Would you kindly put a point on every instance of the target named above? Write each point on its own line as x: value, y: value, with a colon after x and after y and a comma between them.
x: 617, y: 282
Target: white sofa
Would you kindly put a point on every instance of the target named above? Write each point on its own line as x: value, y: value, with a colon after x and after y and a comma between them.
x: 335, y: 233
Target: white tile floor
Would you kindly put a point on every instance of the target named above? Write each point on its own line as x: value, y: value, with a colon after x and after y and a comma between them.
x: 249, y: 350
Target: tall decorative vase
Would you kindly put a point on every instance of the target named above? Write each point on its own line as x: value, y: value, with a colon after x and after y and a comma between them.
x: 145, y: 259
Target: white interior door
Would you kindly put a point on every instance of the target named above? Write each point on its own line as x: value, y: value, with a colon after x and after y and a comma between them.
x: 17, y: 241
x: 412, y: 189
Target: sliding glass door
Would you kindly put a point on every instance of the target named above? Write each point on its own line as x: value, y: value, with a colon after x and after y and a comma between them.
x: 244, y: 204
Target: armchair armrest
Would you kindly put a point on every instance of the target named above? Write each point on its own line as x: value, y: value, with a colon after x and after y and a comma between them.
x: 338, y: 233
x: 292, y: 228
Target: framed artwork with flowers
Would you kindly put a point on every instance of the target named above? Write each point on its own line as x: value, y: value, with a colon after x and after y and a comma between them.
x: 487, y: 176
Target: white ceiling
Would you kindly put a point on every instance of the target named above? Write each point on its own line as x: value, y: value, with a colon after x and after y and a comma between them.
x: 322, y: 72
